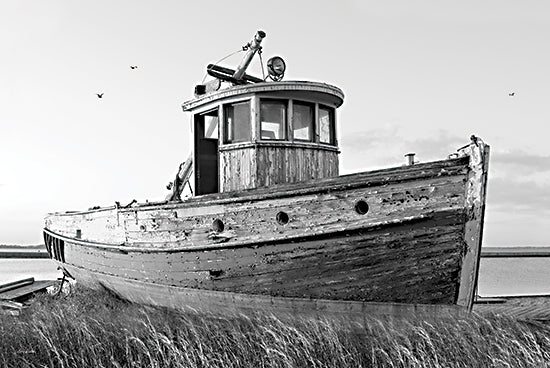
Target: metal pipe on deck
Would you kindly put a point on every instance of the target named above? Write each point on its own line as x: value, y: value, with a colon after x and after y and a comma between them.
x: 253, y: 46
x: 410, y: 158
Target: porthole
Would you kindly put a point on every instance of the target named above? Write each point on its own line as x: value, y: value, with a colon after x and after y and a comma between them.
x: 217, y: 225
x: 215, y: 273
x: 361, y: 207
x: 282, y: 218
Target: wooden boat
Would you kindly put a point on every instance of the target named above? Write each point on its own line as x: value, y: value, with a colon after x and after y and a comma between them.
x: 271, y: 224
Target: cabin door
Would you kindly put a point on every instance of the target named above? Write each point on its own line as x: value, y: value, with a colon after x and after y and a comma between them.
x: 206, y: 152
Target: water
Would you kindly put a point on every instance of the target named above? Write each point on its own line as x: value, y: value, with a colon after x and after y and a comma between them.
x: 16, y: 269
x: 514, y: 276
x: 497, y: 276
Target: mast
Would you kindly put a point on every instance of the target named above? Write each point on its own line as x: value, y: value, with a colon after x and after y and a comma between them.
x: 253, y: 46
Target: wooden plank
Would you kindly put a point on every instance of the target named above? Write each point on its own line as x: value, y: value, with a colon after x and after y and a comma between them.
x: 529, y: 308
x: 27, y: 290
x: 489, y: 300
x: 12, y: 308
x: 279, y: 144
x: 226, y: 303
x: 16, y: 284
x: 8, y: 304
x: 475, y: 198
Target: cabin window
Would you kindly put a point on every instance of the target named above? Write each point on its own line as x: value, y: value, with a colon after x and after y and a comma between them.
x: 327, y: 132
x: 237, y: 122
x: 273, y: 119
x: 302, y: 121
x: 210, y: 124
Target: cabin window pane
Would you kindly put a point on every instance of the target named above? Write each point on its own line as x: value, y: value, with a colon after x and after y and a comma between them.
x: 273, y: 119
x: 326, y: 125
x: 237, y: 122
x: 302, y: 121
x: 210, y: 121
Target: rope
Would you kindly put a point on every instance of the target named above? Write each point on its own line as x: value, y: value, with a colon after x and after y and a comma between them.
x: 222, y: 59
x: 60, y: 286
x: 262, y: 63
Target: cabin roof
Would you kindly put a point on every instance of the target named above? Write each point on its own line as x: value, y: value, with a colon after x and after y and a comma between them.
x: 334, y: 94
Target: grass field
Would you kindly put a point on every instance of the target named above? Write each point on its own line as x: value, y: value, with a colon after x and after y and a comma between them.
x: 94, y: 329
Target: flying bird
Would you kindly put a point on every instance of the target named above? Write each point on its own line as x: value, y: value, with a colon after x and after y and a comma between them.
x: 99, y: 95
x: 511, y: 94
x: 133, y: 66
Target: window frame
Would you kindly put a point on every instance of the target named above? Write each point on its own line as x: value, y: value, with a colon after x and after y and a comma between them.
x: 226, y: 131
x: 202, y: 116
x: 332, y: 124
x: 312, y: 132
x: 285, y: 123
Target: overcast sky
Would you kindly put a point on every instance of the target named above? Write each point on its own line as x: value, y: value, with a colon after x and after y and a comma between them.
x: 419, y: 76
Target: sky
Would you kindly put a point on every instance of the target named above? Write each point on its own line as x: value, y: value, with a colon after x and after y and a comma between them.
x: 417, y: 76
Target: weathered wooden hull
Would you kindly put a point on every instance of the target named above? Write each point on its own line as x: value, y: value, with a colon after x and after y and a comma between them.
x: 408, y: 236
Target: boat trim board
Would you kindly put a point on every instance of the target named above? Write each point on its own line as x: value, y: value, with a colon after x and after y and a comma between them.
x: 476, y: 188
x: 290, y: 86
x: 241, y: 243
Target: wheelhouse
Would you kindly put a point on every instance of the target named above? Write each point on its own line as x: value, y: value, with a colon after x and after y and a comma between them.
x: 262, y: 134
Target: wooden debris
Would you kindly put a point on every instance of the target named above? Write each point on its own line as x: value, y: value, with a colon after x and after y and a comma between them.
x: 15, y: 284
x: 23, y: 289
x: 527, y: 308
x: 8, y: 307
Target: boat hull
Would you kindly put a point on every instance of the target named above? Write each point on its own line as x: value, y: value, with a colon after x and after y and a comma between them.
x: 407, y: 236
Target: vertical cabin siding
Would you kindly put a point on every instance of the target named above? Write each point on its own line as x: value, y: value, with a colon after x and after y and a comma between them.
x: 259, y: 166
x: 238, y: 169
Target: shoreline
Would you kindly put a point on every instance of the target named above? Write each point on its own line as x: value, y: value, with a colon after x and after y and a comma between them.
x: 34, y: 254
x: 13, y: 251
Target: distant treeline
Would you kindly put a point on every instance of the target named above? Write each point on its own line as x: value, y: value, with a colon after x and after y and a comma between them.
x: 37, y: 254
x: 19, y: 246
x: 515, y: 252
x: 23, y: 251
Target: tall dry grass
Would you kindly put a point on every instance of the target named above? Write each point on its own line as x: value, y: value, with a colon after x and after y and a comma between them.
x: 94, y: 329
